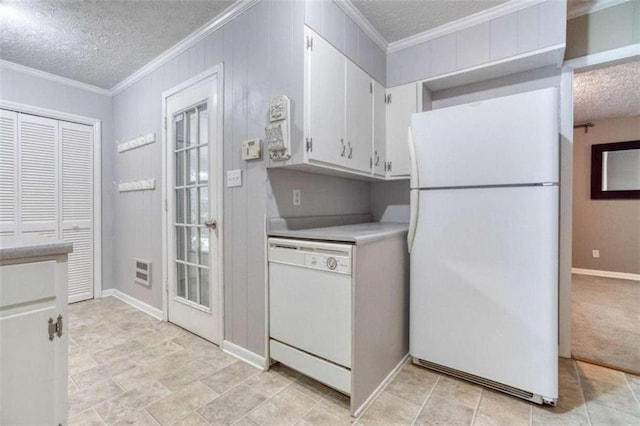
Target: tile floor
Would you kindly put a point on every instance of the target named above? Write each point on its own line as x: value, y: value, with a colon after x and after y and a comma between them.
x: 128, y: 368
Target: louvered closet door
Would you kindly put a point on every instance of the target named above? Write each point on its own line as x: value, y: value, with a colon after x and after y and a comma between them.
x: 8, y: 170
x: 76, y: 147
x: 38, y: 175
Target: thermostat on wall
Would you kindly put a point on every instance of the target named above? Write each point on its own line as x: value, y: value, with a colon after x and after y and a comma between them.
x: 251, y: 149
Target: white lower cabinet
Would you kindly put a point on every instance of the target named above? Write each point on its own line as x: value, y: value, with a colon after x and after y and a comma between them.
x: 33, y: 332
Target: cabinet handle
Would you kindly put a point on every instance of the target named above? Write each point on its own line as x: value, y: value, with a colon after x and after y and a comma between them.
x: 350, y: 149
x: 59, y: 326
x: 343, y: 148
x: 52, y: 329
x: 377, y: 158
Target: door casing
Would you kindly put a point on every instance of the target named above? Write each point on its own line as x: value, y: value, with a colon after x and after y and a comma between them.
x: 216, y: 71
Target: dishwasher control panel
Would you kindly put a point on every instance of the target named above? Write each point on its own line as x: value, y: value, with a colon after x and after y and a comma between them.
x: 328, y: 257
x: 323, y: 261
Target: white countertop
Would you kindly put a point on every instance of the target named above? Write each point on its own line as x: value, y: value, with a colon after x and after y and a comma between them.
x: 24, y: 247
x: 361, y: 233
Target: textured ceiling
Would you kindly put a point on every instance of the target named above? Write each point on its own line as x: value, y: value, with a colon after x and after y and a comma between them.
x: 398, y: 19
x: 99, y: 42
x: 607, y: 92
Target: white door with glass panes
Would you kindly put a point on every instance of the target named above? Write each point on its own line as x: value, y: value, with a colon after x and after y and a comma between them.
x: 192, y: 209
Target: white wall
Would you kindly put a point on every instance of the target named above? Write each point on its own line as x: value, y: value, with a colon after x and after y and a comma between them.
x: 20, y: 87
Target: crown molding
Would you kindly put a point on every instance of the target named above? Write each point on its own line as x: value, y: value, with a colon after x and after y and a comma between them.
x: 52, y: 77
x: 363, y: 23
x: 461, y: 24
x: 585, y: 9
x: 215, y: 24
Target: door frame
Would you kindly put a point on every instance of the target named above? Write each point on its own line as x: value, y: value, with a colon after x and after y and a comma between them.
x: 217, y: 71
x: 96, y: 124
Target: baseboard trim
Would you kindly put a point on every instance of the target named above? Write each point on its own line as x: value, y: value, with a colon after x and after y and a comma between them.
x: 245, y: 355
x: 141, y: 306
x: 606, y: 274
x: 382, y: 386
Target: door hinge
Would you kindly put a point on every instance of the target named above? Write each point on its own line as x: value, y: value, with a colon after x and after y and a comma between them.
x: 370, y: 162
x: 371, y: 87
x: 309, y: 144
x: 389, y: 169
x: 310, y: 43
x: 389, y: 98
x: 55, y: 328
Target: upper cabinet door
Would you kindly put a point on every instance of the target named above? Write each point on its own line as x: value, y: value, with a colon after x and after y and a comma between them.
x: 359, y: 122
x: 402, y: 103
x: 324, y: 101
x: 379, y: 129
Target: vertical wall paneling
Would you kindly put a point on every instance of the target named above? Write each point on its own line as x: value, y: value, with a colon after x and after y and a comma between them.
x: 365, y: 46
x: 8, y: 172
x: 350, y: 39
x: 474, y: 45
x: 528, y: 24
x: 504, y: 36
x: 443, y: 48
x: 552, y: 22
x: 333, y: 21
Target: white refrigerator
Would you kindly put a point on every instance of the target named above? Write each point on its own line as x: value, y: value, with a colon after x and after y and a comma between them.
x: 483, y: 239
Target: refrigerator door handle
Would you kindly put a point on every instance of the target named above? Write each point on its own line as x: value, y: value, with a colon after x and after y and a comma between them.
x: 413, y: 183
x: 414, y: 192
x: 413, y: 218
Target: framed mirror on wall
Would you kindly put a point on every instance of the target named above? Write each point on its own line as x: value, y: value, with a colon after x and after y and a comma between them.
x: 615, y: 171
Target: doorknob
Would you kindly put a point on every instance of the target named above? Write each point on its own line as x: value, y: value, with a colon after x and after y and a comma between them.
x: 211, y: 223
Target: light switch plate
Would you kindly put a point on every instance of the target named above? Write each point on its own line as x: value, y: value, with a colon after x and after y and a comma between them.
x: 234, y: 178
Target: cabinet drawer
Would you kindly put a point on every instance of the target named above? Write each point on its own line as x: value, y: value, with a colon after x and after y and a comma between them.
x: 26, y: 282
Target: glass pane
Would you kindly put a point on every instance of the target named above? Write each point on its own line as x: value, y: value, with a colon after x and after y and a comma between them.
x: 192, y: 205
x: 192, y: 166
x: 180, y: 254
x: 179, y: 127
x: 204, y: 164
x: 180, y: 194
x: 180, y: 168
x: 192, y: 244
x: 180, y: 280
x: 192, y: 283
x: 204, y: 124
x: 204, y: 246
x: 204, y: 204
x: 192, y: 138
x: 204, y: 287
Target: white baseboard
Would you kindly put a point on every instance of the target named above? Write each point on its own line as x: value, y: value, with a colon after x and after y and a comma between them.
x: 244, y: 355
x: 381, y: 386
x: 147, y: 309
x: 606, y: 274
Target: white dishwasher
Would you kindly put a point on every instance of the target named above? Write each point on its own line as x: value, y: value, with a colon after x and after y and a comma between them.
x: 310, y: 308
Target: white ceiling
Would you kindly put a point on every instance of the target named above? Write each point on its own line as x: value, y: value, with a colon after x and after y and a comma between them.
x: 96, y: 41
x: 607, y: 92
x: 398, y: 19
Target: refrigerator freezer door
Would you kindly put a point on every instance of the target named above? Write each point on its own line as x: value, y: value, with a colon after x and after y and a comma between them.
x: 484, y: 293
x: 508, y: 140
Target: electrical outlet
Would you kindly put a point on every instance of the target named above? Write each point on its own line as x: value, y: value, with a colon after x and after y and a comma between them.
x: 234, y: 178
x: 296, y: 197
x: 595, y: 254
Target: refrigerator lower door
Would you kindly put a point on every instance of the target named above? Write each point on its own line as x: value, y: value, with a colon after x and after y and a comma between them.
x: 484, y: 292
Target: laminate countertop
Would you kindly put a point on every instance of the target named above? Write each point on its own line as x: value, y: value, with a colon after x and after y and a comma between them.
x: 360, y: 233
x: 25, y: 247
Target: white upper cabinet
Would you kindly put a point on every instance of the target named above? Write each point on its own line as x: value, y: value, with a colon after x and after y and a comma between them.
x: 379, y: 129
x: 402, y: 102
x: 8, y: 172
x: 359, y: 119
x: 324, y: 101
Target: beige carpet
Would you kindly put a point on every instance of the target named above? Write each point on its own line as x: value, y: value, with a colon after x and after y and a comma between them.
x: 606, y: 321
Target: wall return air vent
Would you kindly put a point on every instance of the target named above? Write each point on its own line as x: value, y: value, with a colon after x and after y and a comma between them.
x: 143, y: 272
